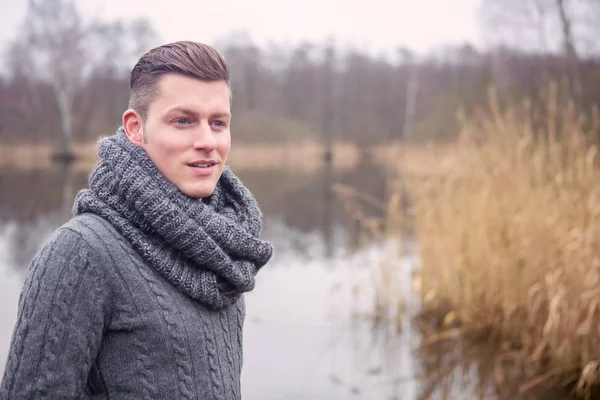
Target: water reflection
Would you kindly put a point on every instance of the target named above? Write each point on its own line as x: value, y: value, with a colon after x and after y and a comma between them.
x: 34, y: 203
x: 453, y: 368
x: 314, y: 339
x: 302, y: 201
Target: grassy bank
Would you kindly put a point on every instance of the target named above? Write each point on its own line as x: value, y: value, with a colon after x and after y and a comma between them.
x: 306, y: 155
x: 508, y: 229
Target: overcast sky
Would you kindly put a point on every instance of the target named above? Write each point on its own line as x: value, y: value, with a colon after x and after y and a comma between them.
x: 369, y: 24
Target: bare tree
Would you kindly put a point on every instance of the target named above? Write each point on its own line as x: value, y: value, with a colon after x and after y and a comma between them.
x: 118, y: 44
x: 524, y: 24
x: 559, y: 26
x: 570, y: 52
x: 56, y: 47
x: 54, y: 36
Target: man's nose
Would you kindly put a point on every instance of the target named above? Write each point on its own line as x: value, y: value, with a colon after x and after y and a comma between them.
x: 204, y: 138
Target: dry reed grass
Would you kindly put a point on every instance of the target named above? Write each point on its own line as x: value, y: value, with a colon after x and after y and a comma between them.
x: 509, y: 235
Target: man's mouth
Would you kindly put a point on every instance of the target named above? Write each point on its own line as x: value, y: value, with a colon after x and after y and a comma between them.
x: 203, y: 164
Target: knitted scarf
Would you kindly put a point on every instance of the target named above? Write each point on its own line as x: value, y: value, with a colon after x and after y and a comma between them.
x: 209, y: 249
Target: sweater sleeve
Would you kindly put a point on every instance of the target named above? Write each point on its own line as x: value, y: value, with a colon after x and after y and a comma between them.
x: 61, y: 318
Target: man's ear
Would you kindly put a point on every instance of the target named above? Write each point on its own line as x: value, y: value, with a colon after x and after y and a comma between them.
x: 133, y: 126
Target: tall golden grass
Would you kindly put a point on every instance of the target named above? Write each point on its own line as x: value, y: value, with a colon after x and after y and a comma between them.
x: 508, y: 229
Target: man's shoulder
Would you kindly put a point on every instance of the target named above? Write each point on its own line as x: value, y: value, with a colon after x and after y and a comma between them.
x: 88, y: 225
x: 93, y: 229
x: 86, y: 230
x: 73, y: 253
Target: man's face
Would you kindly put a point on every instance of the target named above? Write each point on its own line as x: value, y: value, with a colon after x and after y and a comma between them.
x: 186, y: 133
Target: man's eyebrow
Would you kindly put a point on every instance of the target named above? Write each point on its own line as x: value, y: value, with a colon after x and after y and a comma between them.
x: 195, y: 114
x: 184, y: 110
x: 221, y: 115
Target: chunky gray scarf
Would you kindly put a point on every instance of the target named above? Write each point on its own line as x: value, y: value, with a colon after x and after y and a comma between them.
x: 209, y: 249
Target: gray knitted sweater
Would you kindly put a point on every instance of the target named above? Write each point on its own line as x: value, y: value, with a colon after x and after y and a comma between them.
x: 140, y: 295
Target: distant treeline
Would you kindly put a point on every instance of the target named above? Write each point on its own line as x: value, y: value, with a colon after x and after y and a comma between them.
x: 77, y: 89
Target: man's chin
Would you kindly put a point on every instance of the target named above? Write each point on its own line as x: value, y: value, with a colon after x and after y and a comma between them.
x: 199, y: 193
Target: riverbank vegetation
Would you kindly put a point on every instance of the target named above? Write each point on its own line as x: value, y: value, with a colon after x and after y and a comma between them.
x: 508, y: 232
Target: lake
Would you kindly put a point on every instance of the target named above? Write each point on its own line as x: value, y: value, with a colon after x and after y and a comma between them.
x: 308, y: 334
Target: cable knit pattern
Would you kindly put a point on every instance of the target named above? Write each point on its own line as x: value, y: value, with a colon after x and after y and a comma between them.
x: 127, y: 312
x: 24, y: 318
x: 214, y: 365
x: 47, y: 358
x: 56, y: 337
x: 142, y: 359
x: 209, y: 249
x: 182, y: 357
x: 229, y: 321
x: 228, y: 349
x: 95, y: 321
x: 240, y: 313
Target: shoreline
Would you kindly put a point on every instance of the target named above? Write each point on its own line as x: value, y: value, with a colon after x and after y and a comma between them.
x: 308, y: 155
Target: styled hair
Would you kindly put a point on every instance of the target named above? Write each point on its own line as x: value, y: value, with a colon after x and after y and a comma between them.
x: 187, y: 58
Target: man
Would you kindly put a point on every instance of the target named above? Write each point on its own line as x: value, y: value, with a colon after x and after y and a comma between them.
x: 140, y: 294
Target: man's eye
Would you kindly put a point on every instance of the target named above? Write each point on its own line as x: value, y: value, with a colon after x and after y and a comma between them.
x: 219, y: 124
x: 182, y: 121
